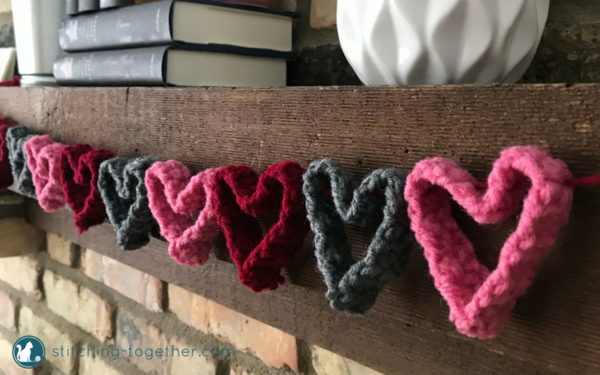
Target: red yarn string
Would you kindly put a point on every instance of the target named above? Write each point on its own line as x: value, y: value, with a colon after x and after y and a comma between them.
x: 584, y: 181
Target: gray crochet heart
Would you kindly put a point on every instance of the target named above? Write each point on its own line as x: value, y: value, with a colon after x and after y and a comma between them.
x: 121, y: 184
x: 353, y: 286
x: 15, y: 141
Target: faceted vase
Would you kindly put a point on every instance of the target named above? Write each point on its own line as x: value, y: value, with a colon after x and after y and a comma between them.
x: 418, y: 42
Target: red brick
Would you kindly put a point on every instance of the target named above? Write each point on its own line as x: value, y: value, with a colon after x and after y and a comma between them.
x: 84, y: 308
x: 274, y: 347
x: 62, y: 250
x: 329, y: 363
x: 22, y: 273
x: 8, y: 311
x: 31, y: 324
x: 17, y: 237
x: 96, y: 366
x: 128, y: 281
x: 135, y: 333
x: 92, y: 264
x: 190, y: 365
x: 7, y: 363
x: 190, y: 308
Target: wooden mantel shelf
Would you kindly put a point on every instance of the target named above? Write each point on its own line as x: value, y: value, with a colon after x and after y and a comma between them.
x: 555, y: 328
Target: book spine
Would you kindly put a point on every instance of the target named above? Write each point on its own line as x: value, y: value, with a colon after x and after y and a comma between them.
x: 260, y: 3
x: 115, y: 3
x: 88, y: 5
x: 131, y: 67
x: 72, y: 6
x: 133, y: 26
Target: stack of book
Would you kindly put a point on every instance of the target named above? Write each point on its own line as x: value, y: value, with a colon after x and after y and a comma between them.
x: 176, y: 43
x: 80, y: 6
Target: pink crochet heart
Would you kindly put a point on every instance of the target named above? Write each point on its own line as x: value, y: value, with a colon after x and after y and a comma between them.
x: 43, y: 159
x: 480, y: 301
x: 175, y: 197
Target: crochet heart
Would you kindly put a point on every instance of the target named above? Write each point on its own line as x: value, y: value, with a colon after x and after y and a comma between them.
x: 121, y: 185
x: 6, y: 177
x: 43, y: 159
x: 79, y: 166
x: 480, y: 301
x: 353, y: 286
x: 16, y: 137
x: 175, y: 198
x: 240, y: 196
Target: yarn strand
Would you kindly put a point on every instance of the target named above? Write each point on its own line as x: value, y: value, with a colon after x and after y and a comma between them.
x: 590, y: 181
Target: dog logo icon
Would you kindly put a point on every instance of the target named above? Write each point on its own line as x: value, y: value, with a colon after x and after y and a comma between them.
x: 29, y: 352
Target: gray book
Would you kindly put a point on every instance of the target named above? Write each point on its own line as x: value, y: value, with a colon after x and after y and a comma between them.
x: 88, y: 5
x: 104, y: 4
x: 72, y: 7
x: 173, y: 66
x: 171, y: 21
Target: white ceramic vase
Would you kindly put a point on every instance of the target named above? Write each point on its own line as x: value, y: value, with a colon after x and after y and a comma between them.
x: 417, y: 42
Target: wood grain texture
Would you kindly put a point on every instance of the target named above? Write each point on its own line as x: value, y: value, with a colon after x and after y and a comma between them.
x: 555, y: 328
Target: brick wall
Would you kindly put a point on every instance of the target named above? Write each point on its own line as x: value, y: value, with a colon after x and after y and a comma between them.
x: 78, y: 298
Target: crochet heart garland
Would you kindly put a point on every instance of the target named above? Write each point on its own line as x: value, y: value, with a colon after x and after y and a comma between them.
x: 353, y: 286
x: 124, y: 193
x: 6, y: 177
x: 79, y: 166
x: 16, y: 137
x: 43, y: 160
x: 232, y: 197
x: 175, y: 198
x: 480, y: 301
x: 240, y: 196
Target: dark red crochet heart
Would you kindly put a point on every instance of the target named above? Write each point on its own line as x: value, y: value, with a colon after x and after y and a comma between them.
x: 6, y: 178
x: 240, y: 196
x: 79, y: 166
